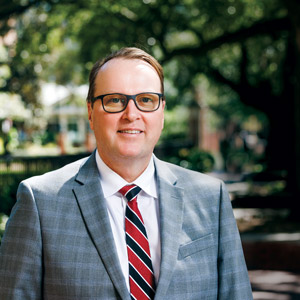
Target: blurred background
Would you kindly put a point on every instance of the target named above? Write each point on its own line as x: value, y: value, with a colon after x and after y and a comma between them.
x: 232, y: 82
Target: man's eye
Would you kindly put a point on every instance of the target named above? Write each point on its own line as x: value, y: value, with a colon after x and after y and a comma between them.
x: 115, y: 100
x: 146, y: 100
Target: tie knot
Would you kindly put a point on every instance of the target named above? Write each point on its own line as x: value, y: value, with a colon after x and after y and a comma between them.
x: 130, y: 191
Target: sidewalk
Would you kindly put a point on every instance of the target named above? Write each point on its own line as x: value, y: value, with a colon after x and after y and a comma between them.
x: 272, y: 251
x: 273, y: 261
x: 275, y: 285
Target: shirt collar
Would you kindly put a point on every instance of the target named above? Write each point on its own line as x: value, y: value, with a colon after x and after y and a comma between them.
x: 112, y: 182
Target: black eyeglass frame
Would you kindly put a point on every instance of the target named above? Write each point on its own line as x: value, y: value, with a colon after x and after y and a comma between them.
x: 129, y: 97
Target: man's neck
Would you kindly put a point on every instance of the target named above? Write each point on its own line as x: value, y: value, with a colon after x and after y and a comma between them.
x: 128, y: 168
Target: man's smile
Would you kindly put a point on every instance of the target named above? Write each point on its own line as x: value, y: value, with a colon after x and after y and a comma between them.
x: 130, y: 131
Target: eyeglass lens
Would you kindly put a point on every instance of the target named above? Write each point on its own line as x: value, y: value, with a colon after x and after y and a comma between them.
x: 117, y: 102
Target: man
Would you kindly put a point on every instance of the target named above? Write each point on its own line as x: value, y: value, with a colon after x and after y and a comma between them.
x: 76, y: 234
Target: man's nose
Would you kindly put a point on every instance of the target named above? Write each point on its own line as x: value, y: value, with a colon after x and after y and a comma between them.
x: 131, y: 112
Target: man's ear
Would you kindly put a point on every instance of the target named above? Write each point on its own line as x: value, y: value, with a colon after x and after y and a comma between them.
x: 90, y: 114
x: 163, y: 109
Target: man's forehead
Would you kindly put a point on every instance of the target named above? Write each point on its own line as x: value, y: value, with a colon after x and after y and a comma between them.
x: 135, y: 63
x: 125, y: 74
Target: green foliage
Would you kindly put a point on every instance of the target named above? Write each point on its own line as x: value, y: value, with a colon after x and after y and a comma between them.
x: 9, y: 183
x: 3, y: 220
x: 60, y: 40
x: 194, y: 159
x: 176, y: 124
x: 15, y: 169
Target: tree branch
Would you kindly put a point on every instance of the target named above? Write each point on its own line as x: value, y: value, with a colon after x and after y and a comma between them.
x: 260, y: 28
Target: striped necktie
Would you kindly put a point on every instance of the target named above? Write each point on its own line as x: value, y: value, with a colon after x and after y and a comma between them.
x: 141, y: 277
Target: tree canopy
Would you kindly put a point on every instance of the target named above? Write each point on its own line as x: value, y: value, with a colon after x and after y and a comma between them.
x: 60, y: 40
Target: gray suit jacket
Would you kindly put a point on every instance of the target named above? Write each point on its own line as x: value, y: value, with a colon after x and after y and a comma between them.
x: 59, y: 245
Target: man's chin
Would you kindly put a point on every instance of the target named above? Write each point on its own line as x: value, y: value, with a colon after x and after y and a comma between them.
x: 133, y: 154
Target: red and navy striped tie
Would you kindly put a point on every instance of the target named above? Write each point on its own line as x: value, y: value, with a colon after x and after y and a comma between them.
x: 141, y: 277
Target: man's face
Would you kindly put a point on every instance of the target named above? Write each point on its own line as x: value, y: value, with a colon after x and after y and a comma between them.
x: 130, y: 133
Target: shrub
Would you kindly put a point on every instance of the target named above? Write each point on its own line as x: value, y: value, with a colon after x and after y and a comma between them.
x: 3, y: 220
x: 194, y: 159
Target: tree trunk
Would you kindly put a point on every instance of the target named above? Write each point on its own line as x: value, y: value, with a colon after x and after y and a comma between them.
x: 294, y: 12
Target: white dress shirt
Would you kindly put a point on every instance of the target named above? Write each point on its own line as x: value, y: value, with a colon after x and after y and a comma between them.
x: 147, y: 201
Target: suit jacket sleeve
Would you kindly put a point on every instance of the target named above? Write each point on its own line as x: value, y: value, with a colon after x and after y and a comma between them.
x: 202, y: 255
x: 21, y: 251
x: 233, y: 276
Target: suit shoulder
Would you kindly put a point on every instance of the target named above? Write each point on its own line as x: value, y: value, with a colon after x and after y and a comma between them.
x: 199, y: 188
x: 192, y: 176
x: 56, y: 178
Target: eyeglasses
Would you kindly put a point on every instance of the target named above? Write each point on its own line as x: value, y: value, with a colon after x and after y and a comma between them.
x: 114, y: 103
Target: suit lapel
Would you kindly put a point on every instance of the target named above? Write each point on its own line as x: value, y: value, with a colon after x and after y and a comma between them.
x: 91, y: 201
x: 92, y: 204
x: 171, y: 212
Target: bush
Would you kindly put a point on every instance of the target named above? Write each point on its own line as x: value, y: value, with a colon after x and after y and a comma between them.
x: 15, y: 169
x: 194, y: 159
x: 3, y: 220
x: 9, y: 183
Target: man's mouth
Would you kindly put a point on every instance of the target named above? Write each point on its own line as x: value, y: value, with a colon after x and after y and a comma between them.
x: 130, y: 131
